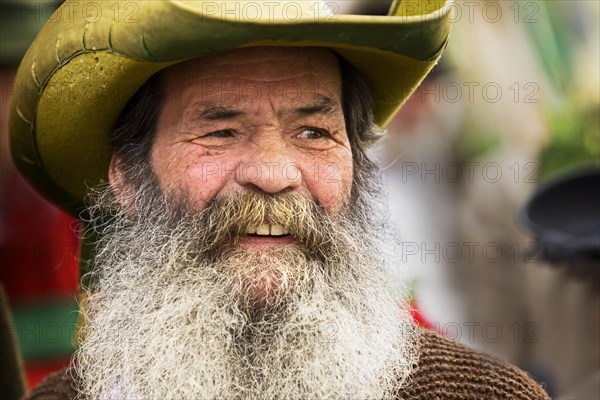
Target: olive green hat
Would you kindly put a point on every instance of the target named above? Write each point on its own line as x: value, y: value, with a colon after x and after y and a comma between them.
x: 91, y: 57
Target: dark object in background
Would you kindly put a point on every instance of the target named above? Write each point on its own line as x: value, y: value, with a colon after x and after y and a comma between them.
x: 564, y: 217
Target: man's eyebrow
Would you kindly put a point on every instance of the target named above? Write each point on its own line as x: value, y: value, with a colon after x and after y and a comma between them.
x: 215, y: 113
x: 324, y: 105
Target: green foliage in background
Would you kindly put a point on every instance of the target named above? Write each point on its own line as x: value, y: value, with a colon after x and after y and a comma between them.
x: 575, y: 142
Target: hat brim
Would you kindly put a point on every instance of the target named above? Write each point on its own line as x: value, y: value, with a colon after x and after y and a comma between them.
x: 78, y: 74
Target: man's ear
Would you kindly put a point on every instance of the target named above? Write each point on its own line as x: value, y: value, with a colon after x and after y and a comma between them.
x: 116, y: 178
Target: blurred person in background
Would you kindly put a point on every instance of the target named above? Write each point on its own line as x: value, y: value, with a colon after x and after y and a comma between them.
x: 564, y: 218
x: 508, y: 110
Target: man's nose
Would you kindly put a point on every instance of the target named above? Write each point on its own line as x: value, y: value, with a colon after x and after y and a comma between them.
x: 269, y: 167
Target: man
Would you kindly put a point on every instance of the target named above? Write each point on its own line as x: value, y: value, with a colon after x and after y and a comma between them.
x: 243, y: 250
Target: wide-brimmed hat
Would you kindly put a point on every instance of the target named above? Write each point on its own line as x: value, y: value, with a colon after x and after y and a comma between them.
x: 92, y: 56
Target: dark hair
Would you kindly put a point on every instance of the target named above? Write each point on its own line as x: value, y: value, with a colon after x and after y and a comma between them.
x: 358, y: 104
x: 133, y: 136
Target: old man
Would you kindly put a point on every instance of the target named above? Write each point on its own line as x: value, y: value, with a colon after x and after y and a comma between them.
x: 218, y: 152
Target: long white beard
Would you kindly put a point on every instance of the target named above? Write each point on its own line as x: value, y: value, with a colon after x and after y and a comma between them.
x: 165, y: 322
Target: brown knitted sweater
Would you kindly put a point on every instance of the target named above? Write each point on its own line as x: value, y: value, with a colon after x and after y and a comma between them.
x: 446, y: 371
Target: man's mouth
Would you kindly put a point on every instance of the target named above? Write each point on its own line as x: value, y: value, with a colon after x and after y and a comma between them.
x: 267, y: 230
x: 267, y: 235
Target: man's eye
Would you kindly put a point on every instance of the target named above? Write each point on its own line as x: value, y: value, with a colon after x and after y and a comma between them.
x: 313, y: 133
x: 221, y: 134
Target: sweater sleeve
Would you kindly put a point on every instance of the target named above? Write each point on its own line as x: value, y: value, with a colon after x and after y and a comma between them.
x: 451, y: 371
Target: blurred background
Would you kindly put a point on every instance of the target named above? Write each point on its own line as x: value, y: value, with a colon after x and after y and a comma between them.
x: 39, y: 247
x: 513, y: 105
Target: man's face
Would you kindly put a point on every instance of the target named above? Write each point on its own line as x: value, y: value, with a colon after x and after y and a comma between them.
x: 191, y: 302
x: 257, y: 119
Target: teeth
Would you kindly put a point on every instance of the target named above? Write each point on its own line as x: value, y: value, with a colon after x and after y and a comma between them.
x: 262, y: 230
x: 265, y: 230
x: 276, y: 230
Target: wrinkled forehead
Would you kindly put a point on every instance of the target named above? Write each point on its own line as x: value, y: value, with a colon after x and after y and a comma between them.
x: 294, y: 71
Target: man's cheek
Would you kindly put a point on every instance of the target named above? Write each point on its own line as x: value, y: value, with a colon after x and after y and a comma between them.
x: 331, y: 183
x: 202, y: 183
x: 327, y: 172
x: 209, y: 174
x: 209, y: 171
